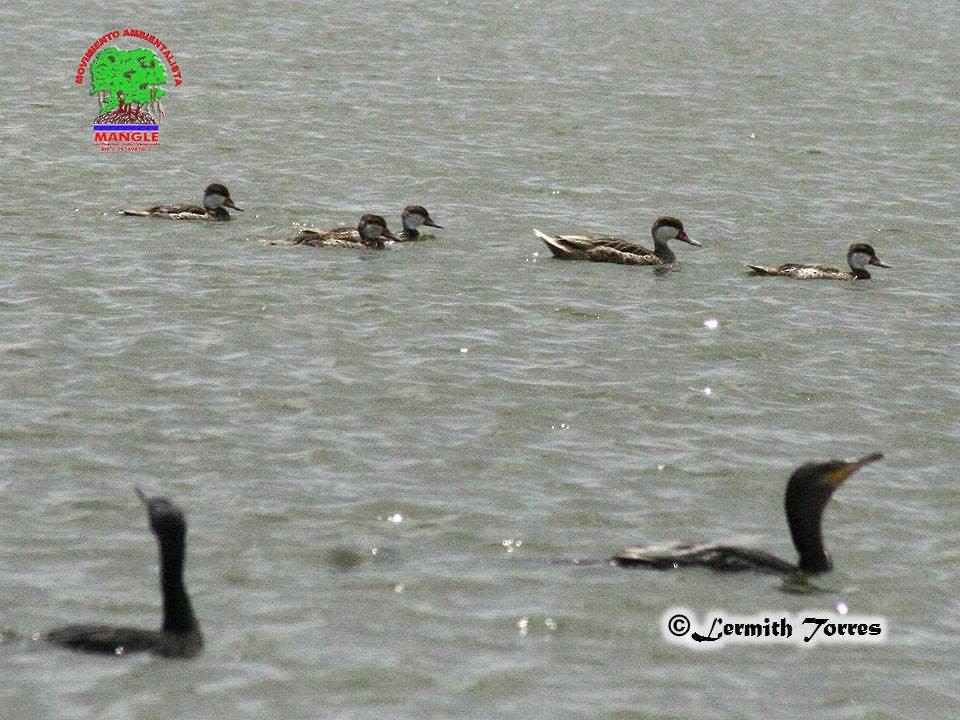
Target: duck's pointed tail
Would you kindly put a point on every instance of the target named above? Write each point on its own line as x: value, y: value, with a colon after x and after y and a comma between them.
x: 761, y: 269
x: 555, y: 246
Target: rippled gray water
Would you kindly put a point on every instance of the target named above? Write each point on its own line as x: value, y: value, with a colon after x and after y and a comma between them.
x: 378, y: 453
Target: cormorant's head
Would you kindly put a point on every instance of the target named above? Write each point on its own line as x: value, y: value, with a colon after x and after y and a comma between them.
x: 814, y: 482
x: 165, y: 517
x: 808, y: 492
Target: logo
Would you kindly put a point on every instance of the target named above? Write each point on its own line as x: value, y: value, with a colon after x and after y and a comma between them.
x: 128, y: 84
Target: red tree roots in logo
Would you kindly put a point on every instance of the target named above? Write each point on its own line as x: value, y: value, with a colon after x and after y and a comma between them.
x: 125, y: 115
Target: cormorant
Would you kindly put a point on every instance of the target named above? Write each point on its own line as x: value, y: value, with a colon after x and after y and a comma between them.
x: 808, y: 492
x: 180, y: 635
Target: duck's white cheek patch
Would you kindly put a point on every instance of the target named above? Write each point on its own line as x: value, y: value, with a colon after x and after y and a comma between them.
x: 214, y: 200
x: 859, y: 259
x: 415, y: 220
x: 666, y: 232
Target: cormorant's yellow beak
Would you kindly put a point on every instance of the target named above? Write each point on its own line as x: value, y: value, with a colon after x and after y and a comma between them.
x: 845, y: 470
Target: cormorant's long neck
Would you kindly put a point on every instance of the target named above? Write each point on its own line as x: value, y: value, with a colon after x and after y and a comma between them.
x: 663, y: 251
x: 177, y: 611
x: 804, y: 516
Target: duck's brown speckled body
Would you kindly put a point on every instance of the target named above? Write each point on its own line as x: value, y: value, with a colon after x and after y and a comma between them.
x: 369, y: 233
x: 859, y: 255
x: 216, y: 198
x: 606, y: 248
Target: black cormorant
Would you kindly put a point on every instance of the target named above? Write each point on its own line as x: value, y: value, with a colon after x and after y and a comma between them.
x: 180, y: 635
x: 808, y: 491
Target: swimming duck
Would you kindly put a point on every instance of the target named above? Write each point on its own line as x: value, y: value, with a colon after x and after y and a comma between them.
x: 412, y: 217
x: 859, y: 255
x: 808, y: 491
x: 368, y: 234
x: 179, y: 635
x: 216, y: 198
x: 604, y: 248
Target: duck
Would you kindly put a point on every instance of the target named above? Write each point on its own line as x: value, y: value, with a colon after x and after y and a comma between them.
x: 809, y: 489
x: 859, y: 255
x: 179, y: 635
x: 216, y: 198
x: 369, y: 233
x: 605, y: 248
x: 412, y: 217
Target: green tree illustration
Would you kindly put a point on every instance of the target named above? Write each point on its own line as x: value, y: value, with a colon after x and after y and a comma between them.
x: 125, y: 81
